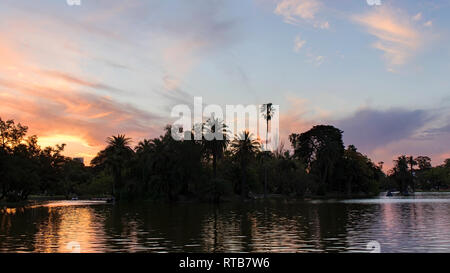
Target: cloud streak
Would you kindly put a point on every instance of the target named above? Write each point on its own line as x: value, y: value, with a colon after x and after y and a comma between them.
x: 91, y: 116
x: 397, y: 35
x: 62, y: 115
x: 79, y: 81
x: 189, y: 37
x: 298, y: 43
x: 294, y: 10
x: 298, y: 11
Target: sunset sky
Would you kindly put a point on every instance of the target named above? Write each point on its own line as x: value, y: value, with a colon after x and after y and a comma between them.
x: 78, y: 74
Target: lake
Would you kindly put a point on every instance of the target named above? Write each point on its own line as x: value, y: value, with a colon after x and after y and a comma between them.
x: 396, y: 224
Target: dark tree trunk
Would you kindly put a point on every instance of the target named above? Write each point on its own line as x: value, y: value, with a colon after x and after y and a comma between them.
x: 265, y: 165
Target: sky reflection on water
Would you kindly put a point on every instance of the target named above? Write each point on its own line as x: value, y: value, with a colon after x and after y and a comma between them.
x: 416, y: 224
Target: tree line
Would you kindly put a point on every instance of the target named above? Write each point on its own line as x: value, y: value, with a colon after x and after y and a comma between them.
x: 318, y: 164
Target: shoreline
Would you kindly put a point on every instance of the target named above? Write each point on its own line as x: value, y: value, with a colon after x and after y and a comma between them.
x: 232, y: 199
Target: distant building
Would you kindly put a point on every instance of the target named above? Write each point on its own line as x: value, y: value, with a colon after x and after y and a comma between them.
x: 79, y: 159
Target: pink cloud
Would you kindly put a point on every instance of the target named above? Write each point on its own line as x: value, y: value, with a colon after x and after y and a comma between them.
x: 398, y: 36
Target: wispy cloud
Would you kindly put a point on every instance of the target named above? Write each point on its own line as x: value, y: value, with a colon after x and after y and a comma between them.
x: 65, y: 116
x: 298, y: 11
x: 417, y: 17
x: 323, y: 25
x: 61, y: 106
x: 298, y: 43
x: 397, y: 35
x: 193, y: 35
x: 293, y: 10
x: 79, y: 81
x: 319, y: 60
x: 91, y: 117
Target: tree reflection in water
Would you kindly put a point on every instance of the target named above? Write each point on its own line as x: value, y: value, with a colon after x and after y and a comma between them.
x: 274, y: 226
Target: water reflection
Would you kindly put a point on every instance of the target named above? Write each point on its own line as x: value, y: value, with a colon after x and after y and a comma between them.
x: 399, y: 225
x: 70, y: 224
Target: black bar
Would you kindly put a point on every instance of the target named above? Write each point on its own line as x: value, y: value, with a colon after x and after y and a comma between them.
x: 172, y: 262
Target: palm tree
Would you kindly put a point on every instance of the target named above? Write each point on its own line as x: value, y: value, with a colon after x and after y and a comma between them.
x: 212, y: 145
x: 115, y: 157
x: 267, y: 111
x: 244, y: 147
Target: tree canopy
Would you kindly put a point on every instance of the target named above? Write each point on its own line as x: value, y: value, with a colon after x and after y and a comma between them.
x: 165, y: 169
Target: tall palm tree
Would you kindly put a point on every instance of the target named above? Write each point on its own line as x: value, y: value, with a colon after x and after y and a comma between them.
x: 115, y: 157
x: 267, y: 111
x: 244, y: 147
x: 212, y: 146
x: 143, y: 146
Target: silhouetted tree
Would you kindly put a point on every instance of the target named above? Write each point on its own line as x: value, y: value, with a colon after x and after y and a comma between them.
x: 244, y: 148
x: 215, y: 140
x: 163, y: 168
x: 267, y: 111
x: 115, y: 158
x: 144, y: 161
x: 400, y: 173
x: 412, y: 162
x: 447, y: 163
x: 25, y: 168
x: 424, y: 162
x: 320, y: 149
x: 358, y: 172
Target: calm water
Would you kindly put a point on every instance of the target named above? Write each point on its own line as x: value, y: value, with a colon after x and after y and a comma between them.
x: 416, y: 224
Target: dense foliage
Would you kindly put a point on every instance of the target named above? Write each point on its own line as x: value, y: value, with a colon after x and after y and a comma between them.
x: 169, y: 170
x: 406, y: 178
x: 25, y: 168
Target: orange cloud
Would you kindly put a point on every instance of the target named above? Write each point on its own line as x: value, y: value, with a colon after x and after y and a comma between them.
x: 78, y: 81
x: 397, y: 35
x: 62, y: 108
x: 291, y: 10
x: 296, y: 11
x: 80, y: 119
